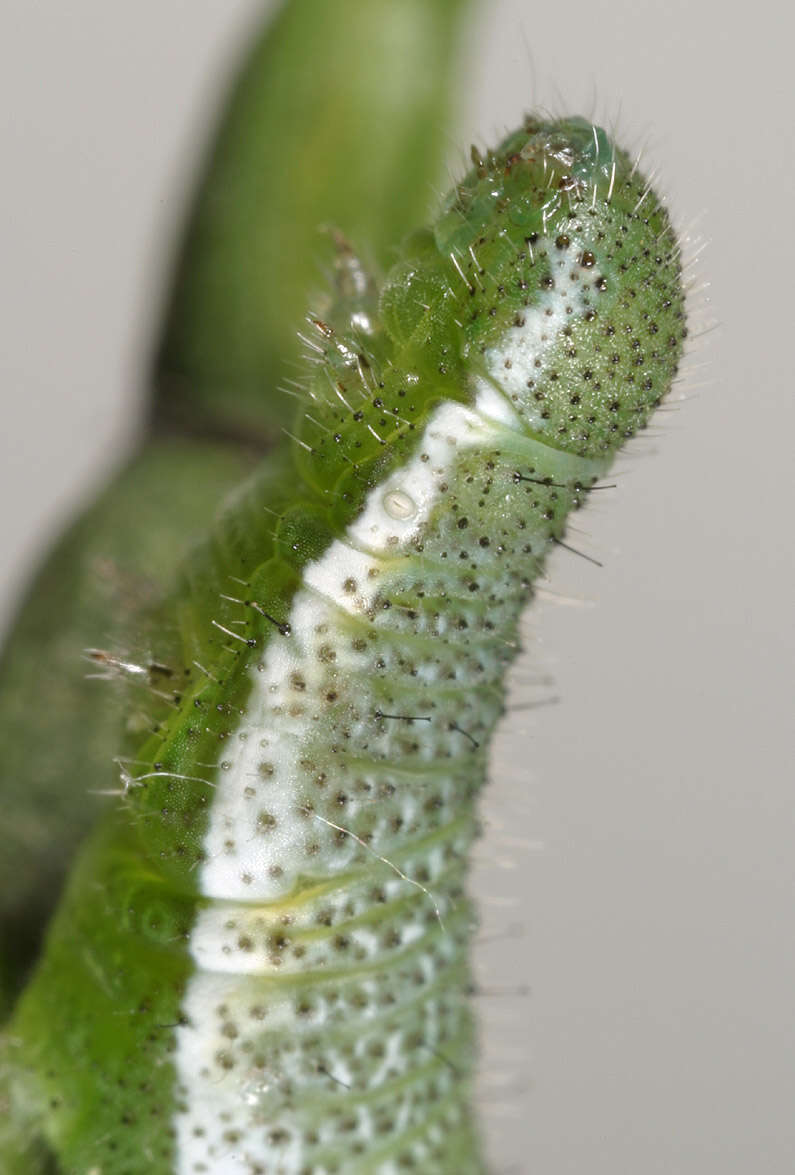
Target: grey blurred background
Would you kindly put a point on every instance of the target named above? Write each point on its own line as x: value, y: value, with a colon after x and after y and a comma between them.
x: 638, y: 951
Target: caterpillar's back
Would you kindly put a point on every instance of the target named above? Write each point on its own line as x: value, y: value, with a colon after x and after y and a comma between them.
x: 261, y: 963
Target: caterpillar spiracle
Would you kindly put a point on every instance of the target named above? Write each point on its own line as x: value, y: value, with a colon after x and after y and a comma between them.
x: 261, y: 961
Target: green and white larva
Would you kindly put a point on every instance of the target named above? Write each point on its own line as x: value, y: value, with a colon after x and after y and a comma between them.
x: 260, y: 964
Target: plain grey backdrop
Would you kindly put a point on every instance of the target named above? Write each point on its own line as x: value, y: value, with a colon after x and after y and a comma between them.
x: 638, y: 953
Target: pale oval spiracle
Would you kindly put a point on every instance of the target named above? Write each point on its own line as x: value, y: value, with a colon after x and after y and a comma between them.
x: 399, y: 505
x: 286, y: 877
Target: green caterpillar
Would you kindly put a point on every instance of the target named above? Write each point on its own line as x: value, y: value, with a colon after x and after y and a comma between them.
x: 260, y: 964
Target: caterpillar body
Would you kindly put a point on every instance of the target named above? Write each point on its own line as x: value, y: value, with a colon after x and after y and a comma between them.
x: 260, y: 964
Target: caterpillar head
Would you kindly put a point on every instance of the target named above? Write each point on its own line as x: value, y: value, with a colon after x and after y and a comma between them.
x: 570, y: 291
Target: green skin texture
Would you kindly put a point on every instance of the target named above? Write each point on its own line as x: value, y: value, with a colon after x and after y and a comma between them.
x: 326, y: 97
x: 89, y: 1060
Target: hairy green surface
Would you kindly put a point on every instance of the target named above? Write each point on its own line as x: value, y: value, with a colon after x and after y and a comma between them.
x: 261, y: 961
x: 59, y: 727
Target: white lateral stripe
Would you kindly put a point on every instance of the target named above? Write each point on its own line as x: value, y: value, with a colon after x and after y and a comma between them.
x: 242, y: 863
